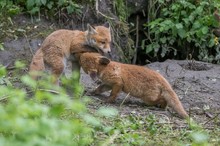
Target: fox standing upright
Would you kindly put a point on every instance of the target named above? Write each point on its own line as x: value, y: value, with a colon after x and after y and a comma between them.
x: 66, y: 45
x: 140, y: 82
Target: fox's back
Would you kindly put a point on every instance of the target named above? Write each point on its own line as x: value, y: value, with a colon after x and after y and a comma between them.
x: 138, y: 79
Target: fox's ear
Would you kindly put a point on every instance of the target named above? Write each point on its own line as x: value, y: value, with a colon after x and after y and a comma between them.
x: 91, y: 29
x: 103, y: 60
x: 107, y: 25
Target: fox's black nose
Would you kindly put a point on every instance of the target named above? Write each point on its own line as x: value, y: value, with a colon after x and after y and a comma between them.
x: 109, y: 54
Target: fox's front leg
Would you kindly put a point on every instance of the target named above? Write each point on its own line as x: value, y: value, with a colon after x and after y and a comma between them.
x: 116, y: 88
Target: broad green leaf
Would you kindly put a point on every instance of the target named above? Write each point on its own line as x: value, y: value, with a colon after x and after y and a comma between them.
x: 30, y: 4
x: 181, y: 33
x: 205, y: 30
x: 179, y: 26
x: 34, y: 10
x: 149, y: 48
x: 211, y: 43
x: 163, y: 40
x: 44, y: 2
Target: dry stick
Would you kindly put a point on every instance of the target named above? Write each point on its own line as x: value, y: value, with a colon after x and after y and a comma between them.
x: 124, y: 100
x: 212, y: 119
x: 187, y: 90
x: 98, y: 12
x: 48, y: 90
x: 137, y: 40
x: 28, y: 44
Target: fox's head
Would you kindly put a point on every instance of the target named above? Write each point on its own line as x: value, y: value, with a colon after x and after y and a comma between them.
x: 99, y: 37
x: 92, y: 63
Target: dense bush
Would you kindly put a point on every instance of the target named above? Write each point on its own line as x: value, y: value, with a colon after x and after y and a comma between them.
x: 184, y: 27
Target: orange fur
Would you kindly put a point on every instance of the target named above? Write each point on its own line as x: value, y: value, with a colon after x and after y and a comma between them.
x: 65, y: 45
x: 140, y: 82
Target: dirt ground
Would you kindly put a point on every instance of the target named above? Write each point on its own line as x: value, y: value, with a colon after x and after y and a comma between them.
x: 196, y: 83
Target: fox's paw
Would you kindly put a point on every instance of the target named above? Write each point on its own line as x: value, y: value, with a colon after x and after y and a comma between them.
x: 110, y: 100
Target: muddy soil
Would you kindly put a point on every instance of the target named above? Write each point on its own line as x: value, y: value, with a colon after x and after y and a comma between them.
x: 196, y: 83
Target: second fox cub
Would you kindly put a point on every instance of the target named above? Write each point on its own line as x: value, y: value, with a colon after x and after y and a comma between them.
x: 63, y: 45
x: 140, y: 82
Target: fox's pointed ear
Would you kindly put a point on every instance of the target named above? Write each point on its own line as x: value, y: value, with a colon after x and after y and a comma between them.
x: 104, y: 60
x: 107, y: 25
x: 91, y: 29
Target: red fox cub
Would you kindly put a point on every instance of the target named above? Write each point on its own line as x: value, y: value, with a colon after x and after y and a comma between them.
x: 140, y: 82
x: 65, y: 45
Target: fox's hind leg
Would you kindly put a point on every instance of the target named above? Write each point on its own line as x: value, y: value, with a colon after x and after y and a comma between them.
x: 55, y: 60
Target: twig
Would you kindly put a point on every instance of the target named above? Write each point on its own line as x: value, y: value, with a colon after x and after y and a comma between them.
x: 212, y: 119
x: 187, y: 90
x: 29, y: 44
x: 124, y: 100
x: 98, y: 12
x: 166, y: 71
x: 84, y: 15
x: 48, y: 90
x: 137, y: 40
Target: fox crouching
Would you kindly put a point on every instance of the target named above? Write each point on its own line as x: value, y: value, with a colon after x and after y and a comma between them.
x: 66, y: 45
x: 140, y: 82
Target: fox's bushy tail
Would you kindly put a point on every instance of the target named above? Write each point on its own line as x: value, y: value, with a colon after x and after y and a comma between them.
x: 173, y: 101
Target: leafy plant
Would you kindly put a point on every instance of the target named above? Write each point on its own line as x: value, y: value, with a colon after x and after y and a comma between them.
x: 183, y: 27
x: 43, y: 114
x: 35, y: 6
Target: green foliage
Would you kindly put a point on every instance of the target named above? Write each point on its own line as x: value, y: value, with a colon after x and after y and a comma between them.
x: 121, y: 9
x: 43, y: 114
x: 8, y: 8
x: 183, y: 26
x: 34, y: 6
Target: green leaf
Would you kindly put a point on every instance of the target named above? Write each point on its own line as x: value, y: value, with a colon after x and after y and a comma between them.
x: 44, y: 2
x: 211, y: 43
x: 196, y: 25
x: 29, y: 81
x: 179, y: 26
x: 92, y: 120
x: 107, y: 111
x: 2, y: 71
x: 30, y: 4
x: 205, y: 30
x: 149, y: 48
x: 1, y: 46
x: 34, y: 10
x: 163, y: 40
x: 181, y: 33
x: 50, y: 5
x: 19, y: 65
